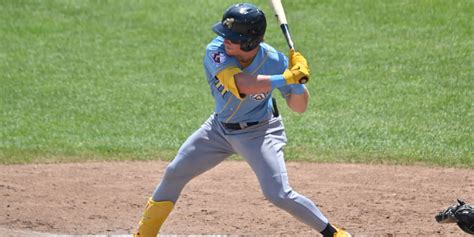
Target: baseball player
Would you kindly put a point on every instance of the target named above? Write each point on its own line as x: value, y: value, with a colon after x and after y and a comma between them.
x: 242, y: 72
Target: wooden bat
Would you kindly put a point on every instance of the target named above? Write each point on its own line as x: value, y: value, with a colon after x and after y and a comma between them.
x: 281, y: 17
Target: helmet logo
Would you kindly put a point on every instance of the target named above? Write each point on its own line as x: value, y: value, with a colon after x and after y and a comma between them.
x: 228, y: 22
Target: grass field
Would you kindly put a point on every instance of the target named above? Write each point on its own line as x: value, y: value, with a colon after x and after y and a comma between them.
x: 84, y: 80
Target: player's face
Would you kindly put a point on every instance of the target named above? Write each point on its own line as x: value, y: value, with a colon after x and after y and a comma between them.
x: 232, y: 48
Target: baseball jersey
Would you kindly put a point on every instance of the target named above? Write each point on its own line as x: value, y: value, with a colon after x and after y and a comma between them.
x: 251, y: 108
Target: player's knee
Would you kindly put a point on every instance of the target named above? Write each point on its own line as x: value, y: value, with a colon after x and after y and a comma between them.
x: 173, y: 172
x: 280, y: 197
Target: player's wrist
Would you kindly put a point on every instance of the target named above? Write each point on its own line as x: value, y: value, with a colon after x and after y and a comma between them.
x: 277, y: 81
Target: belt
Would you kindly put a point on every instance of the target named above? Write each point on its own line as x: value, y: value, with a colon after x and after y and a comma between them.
x: 238, y: 126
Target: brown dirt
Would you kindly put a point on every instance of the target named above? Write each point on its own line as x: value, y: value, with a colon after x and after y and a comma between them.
x: 108, y: 198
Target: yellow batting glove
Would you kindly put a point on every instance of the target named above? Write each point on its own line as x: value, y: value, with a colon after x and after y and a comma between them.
x: 297, y: 58
x: 298, y: 71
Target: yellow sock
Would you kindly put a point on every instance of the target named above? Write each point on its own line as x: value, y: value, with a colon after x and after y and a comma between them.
x: 153, y: 217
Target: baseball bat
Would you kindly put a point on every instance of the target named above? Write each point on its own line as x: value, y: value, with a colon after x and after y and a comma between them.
x: 281, y: 17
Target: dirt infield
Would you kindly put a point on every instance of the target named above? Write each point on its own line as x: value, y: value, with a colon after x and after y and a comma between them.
x: 108, y: 198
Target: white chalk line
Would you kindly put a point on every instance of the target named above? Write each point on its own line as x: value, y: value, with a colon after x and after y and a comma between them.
x: 23, y: 233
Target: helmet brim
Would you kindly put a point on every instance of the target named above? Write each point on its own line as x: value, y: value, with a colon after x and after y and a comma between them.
x: 226, y: 33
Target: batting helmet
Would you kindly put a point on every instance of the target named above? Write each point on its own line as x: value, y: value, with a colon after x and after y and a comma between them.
x: 242, y: 23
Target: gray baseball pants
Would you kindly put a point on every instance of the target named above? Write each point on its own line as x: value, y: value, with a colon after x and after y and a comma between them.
x: 260, y: 145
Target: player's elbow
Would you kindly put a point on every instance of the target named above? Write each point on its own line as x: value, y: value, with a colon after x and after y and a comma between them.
x: 298, y: 103
x: 299, y: 109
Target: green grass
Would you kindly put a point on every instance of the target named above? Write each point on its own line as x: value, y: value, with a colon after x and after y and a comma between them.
x: 81, y: 80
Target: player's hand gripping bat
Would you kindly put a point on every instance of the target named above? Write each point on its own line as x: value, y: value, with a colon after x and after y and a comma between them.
x: 280, y: 15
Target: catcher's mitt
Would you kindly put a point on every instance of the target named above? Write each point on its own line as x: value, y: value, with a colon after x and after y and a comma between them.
x: 460, y: 213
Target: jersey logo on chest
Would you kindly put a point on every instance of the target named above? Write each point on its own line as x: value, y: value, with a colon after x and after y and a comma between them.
x: 259, y: 97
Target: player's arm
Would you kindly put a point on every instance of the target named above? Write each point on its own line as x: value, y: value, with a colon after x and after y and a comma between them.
x: 251, y: 84
x: 240, y: 83
x: 243, y: 83
x: 298, y: 98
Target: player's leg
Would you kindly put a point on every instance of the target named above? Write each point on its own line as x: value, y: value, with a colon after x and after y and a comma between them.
x: 264, y: 153
x: 203, y: 150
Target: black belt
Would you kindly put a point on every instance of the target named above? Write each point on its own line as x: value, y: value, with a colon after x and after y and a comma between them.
x: 238, y: 126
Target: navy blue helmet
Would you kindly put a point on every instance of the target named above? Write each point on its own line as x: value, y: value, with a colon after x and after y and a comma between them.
x: 242, y: 23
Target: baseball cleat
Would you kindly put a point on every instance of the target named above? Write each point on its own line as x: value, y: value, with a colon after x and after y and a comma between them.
x: 341, y: 233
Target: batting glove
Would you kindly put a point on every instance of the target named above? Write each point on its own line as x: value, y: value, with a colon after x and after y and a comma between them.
x: 298, y: 69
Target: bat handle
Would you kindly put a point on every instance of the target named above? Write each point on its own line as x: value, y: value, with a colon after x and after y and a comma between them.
x: 291, y: 45
x: 286, y: 33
